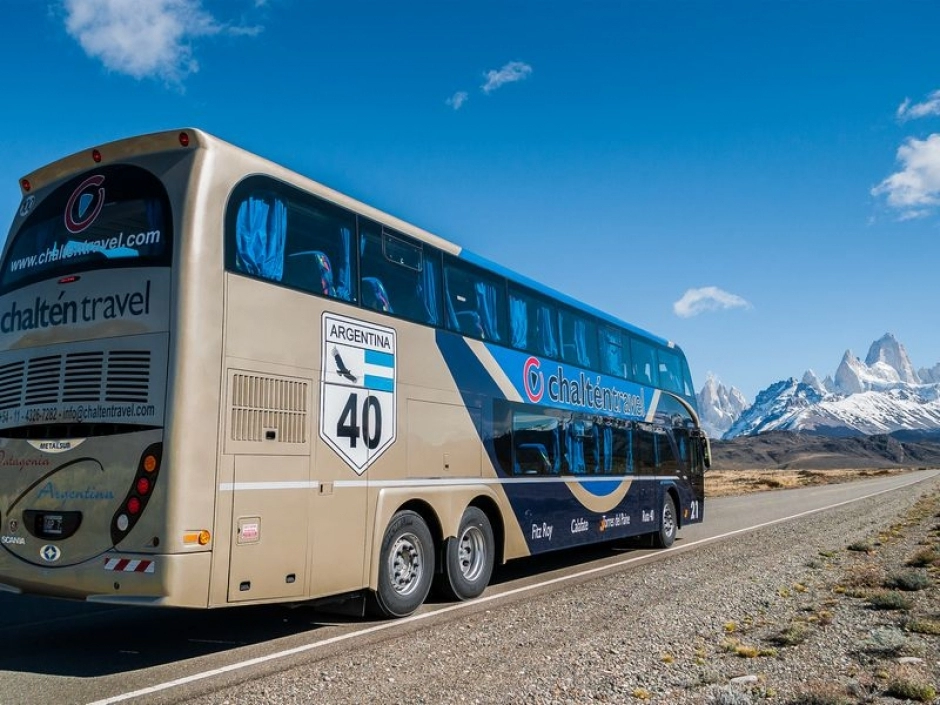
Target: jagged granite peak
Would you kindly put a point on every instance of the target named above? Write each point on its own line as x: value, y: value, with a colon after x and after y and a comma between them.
x: 810, y: 379
x: 782, y: 404
x: 719, y: 406
x: 929, y: 375
x: 862, y: 398
x: 888, y: 351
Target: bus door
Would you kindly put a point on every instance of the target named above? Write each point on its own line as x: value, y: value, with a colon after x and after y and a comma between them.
x: 271, y: 488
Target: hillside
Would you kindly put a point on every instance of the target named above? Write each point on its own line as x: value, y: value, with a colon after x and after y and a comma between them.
x: 786, y: 450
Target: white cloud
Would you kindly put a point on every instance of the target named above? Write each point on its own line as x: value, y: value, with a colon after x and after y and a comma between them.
x: 510, y: 73
x: 706, y: 298
x: 458, y: 99
x: 144, y: 39
x: 909, y: 111
x: 915, y: 190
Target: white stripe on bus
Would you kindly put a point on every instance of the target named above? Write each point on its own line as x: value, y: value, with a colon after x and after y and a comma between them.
x: 449, y: 482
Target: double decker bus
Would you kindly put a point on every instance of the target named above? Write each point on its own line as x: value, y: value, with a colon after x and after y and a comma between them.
x: 222, y: 383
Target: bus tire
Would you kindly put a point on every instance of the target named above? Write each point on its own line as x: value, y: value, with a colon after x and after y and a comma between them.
x: 666, y: 536
x: 406, y: 566
x: 468, y: 557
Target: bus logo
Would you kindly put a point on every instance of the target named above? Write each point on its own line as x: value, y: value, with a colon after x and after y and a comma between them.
x: 84, y: 204
x: 50, y: 553
x: 533, y: 380
x: 357, y: 389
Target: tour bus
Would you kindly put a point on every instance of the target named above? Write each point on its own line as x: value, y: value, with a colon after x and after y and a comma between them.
x: 222, y: 383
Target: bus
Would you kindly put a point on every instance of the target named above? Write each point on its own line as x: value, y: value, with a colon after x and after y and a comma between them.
x: 222, y: 383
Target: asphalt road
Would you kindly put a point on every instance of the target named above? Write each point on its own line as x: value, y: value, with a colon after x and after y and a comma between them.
x: 63, y: 652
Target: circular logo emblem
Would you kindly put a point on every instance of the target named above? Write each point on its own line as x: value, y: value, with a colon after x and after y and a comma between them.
x: 532, y: 380
x: 50, y: 553
x: 27, y: 205
x: 84, y: 204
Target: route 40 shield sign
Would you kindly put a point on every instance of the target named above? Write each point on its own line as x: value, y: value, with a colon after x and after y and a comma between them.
x: 357, y: 389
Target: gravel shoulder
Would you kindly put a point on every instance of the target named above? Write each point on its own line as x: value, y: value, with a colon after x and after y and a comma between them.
x: 840, y: 607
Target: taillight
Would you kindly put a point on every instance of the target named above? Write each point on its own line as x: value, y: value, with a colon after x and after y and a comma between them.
x: 96, y: 155
x: 26, y: 185
x: 141, y: 490
x: 184, y: 139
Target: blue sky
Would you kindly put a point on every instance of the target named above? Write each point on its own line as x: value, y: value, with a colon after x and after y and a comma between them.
x: 758, y: 181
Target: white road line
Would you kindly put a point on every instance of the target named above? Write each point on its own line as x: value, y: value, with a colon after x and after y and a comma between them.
x: 463, y: 605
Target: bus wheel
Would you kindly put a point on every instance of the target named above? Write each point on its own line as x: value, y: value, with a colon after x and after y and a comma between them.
x: 406, y: 566
x: 666, y: 536
x: 468, y: 558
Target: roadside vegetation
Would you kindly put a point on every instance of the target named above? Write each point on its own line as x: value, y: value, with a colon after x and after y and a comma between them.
x: 870, y: 608
x: 723, y: 483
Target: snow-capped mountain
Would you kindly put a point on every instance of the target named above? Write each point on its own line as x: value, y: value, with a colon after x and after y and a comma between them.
x: 883, y: 394
x: 719, y: 406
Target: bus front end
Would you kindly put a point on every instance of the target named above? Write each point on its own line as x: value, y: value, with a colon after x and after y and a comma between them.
x: 85, y: 309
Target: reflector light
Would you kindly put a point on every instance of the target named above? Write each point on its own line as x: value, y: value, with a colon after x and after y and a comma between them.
x: 123, y: 522
x: 184, y: 139
x: 204, y: 537
x: 69, y: 279
x: 96, y: 155
x: 133, y: 506
x: 143, y: 486
x: 26, y: 185
x: 150, y: 463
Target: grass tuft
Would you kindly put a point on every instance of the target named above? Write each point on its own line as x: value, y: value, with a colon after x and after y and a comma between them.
x: 909, y: 581
x: 890, y: 601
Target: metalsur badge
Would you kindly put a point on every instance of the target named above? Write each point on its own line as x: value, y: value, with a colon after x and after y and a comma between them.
x: 357, y: 389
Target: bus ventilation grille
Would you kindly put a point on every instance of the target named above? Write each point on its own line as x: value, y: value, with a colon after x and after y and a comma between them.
x: 115, y: 376
x: 262, y: 404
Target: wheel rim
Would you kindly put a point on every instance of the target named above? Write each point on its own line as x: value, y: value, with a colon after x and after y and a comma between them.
x: 406, y: 564
x: 471, y: 553
x: 669, y: 521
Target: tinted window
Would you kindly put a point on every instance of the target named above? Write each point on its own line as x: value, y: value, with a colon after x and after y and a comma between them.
x: 644, y: 368
x: 670, y: 371
x: 116, y: 216
x: 613, y: 360
x: 475, y: 302
x: 400, y: 276
x: 578, y: 339
x: 282, y: 234
x: 533, y: 323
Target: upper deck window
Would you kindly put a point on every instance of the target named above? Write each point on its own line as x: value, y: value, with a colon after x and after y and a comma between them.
x: 115, y: 216
x: 282, y: 234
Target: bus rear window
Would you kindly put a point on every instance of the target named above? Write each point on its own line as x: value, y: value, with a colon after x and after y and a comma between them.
x: 116, y: 216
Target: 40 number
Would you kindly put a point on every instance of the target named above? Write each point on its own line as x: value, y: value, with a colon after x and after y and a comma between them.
x: 366, y: 425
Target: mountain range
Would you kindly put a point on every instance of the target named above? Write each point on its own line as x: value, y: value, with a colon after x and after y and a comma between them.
x: 884, y: 394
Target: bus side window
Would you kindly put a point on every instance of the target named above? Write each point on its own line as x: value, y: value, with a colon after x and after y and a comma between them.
x: 622, y: 451
x: 644, y: 363
x: 399, y: 276
x: 645, y: 444
x: 578, y: 339
x: 611, y: 351
x: 535, y: 444
x: 260, y: 235
x: 532, y: 323
x: 319, y: 256
x: 670, y: 374
x: 475, y: 302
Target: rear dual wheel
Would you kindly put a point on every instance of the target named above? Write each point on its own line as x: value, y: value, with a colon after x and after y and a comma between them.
x: 468, y: 558
x: 406, y: 566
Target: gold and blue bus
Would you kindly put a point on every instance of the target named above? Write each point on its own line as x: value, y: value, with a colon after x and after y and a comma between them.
x: 222, y: 383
